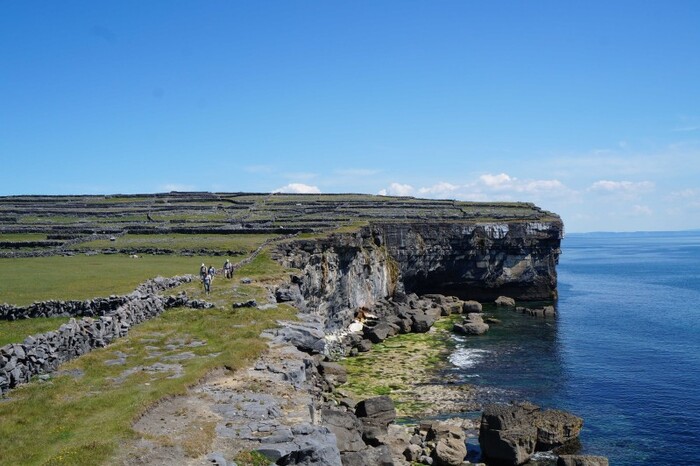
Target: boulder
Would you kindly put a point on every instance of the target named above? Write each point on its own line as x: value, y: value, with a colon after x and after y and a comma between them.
x: 396, y: 439
x: 378, y: 411
x: 364, y: 345
x: 450, y: 444
x: 371, y: 456
x: 473, y: 324
x: 582, y: 460
x: 346, y: 428
x: 555, y: 428
x: 333, y: 372
x: 506, y: 434
x: 509, y: 434
x: 471, y: 328
x: 312, y: 446
x: 413, y: 453
x: 380, y: 332
x: 509, y: 447
x: 422, y: 322
x: 471, y: 306
x: 505, y: 301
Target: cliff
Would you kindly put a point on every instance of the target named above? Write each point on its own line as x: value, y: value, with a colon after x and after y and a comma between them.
x: 357, y: 248
x: 342, y: 273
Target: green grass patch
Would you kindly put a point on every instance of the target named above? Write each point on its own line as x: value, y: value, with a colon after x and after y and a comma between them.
x: 244, y: 242
x: 82, y: 420
x: 25, y: 280
x: 17, y: 330
x: 19, y: 237
x: 398, y: 366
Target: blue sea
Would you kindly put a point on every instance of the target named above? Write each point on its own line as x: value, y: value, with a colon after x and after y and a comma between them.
x: 623, y: 352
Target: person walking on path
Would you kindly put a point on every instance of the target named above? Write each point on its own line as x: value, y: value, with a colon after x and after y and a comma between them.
x: 202, y: 271
x: 228, y: 269
x: 207, y: 283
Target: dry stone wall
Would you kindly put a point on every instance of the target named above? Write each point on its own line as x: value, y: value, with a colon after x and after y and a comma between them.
x: 110, y: 318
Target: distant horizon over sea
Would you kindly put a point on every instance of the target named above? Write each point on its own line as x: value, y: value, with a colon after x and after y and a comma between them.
x: 623, y: 352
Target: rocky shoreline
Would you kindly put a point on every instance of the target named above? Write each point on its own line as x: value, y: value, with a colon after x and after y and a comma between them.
x: 364, y: 432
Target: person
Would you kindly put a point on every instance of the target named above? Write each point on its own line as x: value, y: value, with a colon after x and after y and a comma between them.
x: 228, y: 269
x: 202, y: 271
x: 212, y: 272
x: 207, y: 283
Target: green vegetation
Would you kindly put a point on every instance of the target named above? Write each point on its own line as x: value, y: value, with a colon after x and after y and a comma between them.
x: 244, y: 243
x: 399, y: 367
x: 83, y: 414
x: 17, y: 330
x: 25, y: 280
x: 81, y: 420
x: 19, y: 237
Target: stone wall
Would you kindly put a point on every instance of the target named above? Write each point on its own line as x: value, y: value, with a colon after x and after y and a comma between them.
x: 43, y: 353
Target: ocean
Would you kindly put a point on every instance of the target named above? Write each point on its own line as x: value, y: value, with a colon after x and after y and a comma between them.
x: 623, y: 352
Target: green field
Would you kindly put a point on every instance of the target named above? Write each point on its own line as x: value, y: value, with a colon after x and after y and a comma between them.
x: 177, y: 242
x: 22, y: 236
x: 82, y: 417
x: 26, y: 280
x: 17, y: 330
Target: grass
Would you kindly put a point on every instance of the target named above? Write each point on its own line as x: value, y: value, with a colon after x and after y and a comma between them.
x: 83, y: 420
x: 17, y: 330
x: 177, y: 242
x: 398, y: 366
x: 25, y: 280
x: 19, y: 237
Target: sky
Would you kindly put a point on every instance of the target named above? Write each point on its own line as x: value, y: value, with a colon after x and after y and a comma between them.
x: 589, y: 109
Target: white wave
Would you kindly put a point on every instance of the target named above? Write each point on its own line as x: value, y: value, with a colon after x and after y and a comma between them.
x: 466, y: 358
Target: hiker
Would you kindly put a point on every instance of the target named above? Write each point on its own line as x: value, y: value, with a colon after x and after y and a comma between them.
x: 228, y: 269
x: 202, y: 271
x: 207, y: 283
x: 212, y: 272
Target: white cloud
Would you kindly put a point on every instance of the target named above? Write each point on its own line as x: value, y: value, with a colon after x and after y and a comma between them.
x: 685, y: 194
x: 298, y: 188
x: 397, y: 189
x: 177, y: 187
x: 489, y: 187
x: 500, y: 181
x: 628, y: 187
x: 441, y: 189
x: 505, y: 182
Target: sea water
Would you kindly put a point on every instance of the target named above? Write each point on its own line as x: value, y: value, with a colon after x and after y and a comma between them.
x: 623, y: 352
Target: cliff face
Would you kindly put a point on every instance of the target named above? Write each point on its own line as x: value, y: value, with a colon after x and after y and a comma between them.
x: 339, y: 275
x: 344, y: 272
x: 477, y: 261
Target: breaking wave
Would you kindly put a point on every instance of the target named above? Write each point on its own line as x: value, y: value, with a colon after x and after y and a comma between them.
x: 466, y: 358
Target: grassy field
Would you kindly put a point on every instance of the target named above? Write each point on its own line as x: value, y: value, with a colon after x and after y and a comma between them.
x: 82, y: 416
x: 25, y: 280
x: 17, y: 330
x: 245, y: 242
x: 22, y: 236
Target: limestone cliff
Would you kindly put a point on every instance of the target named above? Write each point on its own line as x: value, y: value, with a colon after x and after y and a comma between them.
x: 343, y: 272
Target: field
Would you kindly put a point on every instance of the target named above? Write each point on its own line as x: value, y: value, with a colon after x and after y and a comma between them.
x: 25, y: 280
x: 82, y: 414
x: 242, y: 244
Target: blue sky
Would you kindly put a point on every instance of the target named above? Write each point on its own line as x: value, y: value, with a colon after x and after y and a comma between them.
x: 589, y: 109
